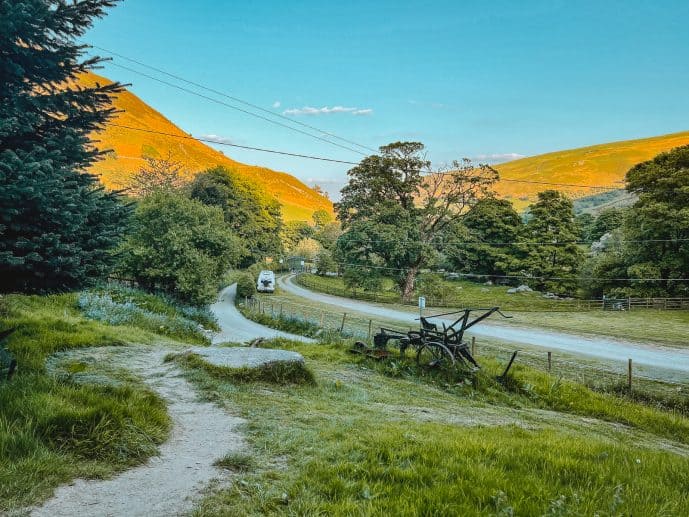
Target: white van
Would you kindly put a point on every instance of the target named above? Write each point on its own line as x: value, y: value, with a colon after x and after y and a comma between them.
x: 266, y: 282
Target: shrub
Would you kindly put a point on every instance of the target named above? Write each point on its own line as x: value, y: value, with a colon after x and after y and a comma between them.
x: 179, y: 246
x: 102, y: 307
x: 246, y: 286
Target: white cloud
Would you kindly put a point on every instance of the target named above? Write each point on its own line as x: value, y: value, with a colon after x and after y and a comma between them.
x: 326, y: 110
x: 497, y: 157
x: 277, y: 104
x: 219, y: 139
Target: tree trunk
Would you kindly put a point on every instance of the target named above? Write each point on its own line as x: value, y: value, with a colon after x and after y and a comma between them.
x: 408, y: 286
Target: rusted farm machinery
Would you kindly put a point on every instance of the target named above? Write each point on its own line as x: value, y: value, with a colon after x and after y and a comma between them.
x: 435, y: 347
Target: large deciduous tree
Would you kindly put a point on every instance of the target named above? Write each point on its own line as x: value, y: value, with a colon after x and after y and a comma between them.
x: 57, y: 225
x: 393, y: 209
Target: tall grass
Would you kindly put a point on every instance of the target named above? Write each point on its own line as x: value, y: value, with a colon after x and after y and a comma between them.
x: 52, y: 429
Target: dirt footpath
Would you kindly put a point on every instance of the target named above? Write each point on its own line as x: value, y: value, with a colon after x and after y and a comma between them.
x: 170, y: 483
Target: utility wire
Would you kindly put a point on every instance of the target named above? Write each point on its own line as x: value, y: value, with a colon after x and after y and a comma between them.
x: 247, y: 112
x: 559, y: 184
x: 210, y: 141
x: 265, y: 150
x: 531, y: 277
x: 237, y: 99
x: 232, y: 97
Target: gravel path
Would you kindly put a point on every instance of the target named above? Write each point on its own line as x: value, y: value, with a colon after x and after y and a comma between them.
x: 167, y: 484
x: 202, y: 433
x: 235, y: 328
x: 655, y: 356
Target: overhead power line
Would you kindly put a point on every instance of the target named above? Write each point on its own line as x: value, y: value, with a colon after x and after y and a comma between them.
x: 273, y: 151
x: 560, y: 184
x: 211, y: 141
x: 247, y: 112
x: 232, y: 97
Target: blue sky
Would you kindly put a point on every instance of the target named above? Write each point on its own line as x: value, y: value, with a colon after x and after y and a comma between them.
x: 487, y: 80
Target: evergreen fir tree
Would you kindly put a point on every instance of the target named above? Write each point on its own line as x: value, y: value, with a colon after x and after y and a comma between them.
x: 548, y: 250
x: 57, y: 224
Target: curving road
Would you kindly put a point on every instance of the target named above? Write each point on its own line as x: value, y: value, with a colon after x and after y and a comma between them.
x: 671, y: 359
x: 235, y: 328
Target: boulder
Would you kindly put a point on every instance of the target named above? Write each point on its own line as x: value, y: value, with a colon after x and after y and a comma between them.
x: 245, y: 357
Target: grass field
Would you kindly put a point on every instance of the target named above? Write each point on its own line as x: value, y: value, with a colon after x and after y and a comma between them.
x: 447, y: 293
x: 378, y: 439
x: 531, y: 309
x: 53, y: 428
x: 603, y: 165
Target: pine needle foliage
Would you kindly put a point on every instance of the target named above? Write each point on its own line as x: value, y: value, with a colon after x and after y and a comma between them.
x: 57, y: 224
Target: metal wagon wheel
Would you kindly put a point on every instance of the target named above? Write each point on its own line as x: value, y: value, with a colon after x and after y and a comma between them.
x: 435, y: 355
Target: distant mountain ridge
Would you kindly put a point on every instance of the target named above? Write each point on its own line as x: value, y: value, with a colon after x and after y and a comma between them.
x: 602, y: 165
x: 129, y: 147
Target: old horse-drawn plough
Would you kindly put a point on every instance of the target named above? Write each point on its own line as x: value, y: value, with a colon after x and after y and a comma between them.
x: 435, y: 347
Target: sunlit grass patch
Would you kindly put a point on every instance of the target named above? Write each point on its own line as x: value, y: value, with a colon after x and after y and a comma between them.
x: 365, y: 441
x: 53, y: 428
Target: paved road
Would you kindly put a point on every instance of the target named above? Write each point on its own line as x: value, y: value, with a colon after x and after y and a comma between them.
x: 235, y: 328
x: 675, y: 360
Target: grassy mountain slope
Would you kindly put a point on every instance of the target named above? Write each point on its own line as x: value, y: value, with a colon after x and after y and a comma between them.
x: 601, y: 165
x: 297, y: 199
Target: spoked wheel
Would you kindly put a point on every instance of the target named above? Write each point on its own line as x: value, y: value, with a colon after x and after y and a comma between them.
x: 435, y: 355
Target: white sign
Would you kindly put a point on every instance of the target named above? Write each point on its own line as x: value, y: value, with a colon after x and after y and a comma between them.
x: 422, y: 302
x: 302, y: 262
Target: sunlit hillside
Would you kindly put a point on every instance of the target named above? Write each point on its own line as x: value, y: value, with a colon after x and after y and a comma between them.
x: 601, y: 165
x: 297, y: 199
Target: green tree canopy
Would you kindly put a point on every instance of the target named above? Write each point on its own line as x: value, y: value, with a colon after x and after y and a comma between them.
x: 57, y: 225
x: 484, y: 241
x: 321, y: 218
x: 393, y: 209
x: 548, y: 254
x: 180, y: 246
x: 248, y: 211
x: 294, y: 231
x: 659, y: 223
x: 328, y: 234
x: 607, y: 220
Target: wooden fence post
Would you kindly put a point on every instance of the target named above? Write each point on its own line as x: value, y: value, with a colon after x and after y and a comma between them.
x: 280, y: 310
x: 473, y: 346
x: 370, y: 325
x: 344, y: 316
x: 550, y: 361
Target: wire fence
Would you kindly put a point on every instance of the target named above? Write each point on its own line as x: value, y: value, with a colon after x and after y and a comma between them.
x: 356, y: 326
x: 541, y: 305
